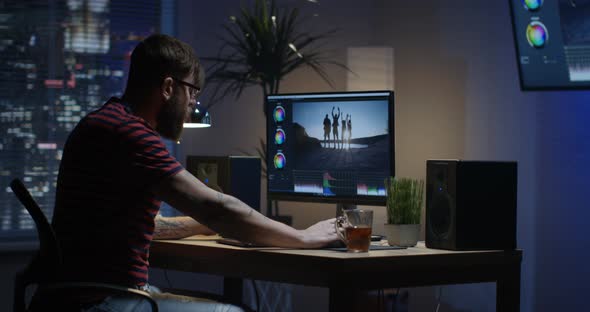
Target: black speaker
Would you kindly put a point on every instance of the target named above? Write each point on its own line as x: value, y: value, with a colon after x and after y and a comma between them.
x: 470, y: 205
x: 238, y: 176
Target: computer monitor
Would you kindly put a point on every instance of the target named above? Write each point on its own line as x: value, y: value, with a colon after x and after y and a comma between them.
x: 552, y: 43
x: 330, y: 147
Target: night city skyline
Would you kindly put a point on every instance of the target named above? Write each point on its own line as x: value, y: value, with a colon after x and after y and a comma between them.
x: 61, y: 60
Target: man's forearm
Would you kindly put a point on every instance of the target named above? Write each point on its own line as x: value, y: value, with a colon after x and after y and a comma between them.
x: 178, y: 227
x: 238, y: 220
x: 231, y: 217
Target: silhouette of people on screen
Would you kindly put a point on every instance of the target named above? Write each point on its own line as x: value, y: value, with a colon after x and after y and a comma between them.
x: 349, y: 121
x: 342, y: 137
x: 335, y: 118
x: 327, y: 127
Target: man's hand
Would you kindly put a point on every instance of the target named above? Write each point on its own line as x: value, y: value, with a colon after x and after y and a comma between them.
x: 321, y: 234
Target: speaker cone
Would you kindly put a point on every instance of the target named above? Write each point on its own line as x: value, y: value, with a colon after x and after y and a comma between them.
x: 440, y: 215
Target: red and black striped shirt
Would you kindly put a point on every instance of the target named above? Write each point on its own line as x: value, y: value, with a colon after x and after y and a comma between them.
x: 105, y: 209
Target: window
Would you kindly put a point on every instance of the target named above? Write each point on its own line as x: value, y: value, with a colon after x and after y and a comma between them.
x: 60, y: 60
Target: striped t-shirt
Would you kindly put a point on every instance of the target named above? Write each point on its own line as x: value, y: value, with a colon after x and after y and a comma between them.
x: 105, y: 209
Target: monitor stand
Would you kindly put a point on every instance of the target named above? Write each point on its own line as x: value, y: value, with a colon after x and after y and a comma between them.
x: 274, y: 213
x: 340, y: 207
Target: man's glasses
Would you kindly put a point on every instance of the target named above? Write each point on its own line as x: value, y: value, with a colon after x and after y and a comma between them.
x: 193, y: 90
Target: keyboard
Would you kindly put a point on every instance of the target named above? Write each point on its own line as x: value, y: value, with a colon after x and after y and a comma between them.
x: 336, y: 246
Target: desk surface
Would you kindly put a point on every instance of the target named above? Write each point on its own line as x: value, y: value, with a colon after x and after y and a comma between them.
x: 416, y: 266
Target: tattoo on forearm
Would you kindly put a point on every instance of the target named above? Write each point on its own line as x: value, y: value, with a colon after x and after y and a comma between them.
x: 173, y: 228
x: 220, y: 199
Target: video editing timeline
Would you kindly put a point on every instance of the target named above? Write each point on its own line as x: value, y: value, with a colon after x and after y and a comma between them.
x: 577, y: 39
x: 578, y: 59
x: 343, y: 182
x: 349, y: 157
x: 575, y: 24
x: 553, y: 42
x: 332, y: 183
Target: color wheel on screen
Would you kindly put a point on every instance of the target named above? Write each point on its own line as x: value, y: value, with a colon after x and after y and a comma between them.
x: 280, y: 137
x: 532, y: 5
x: 279, y: 114
x: 280, y: 160
x: 536, y: 34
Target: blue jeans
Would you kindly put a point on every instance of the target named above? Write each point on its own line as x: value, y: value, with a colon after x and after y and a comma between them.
x: 167, y: 302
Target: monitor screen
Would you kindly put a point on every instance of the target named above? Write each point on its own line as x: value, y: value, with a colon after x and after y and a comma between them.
x: 330, y: 147
x: 552, y: 40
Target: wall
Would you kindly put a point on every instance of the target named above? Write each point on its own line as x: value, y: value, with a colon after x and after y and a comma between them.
x: 562, y: 235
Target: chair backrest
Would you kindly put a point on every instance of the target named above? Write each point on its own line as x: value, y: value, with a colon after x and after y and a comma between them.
x: 45, y: 266
x: 49, y: 249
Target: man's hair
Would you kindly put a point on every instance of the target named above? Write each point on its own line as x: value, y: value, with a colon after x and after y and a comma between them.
x: 160, y: 56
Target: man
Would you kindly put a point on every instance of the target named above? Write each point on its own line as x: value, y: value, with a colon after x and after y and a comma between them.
x: 349, y: 118
x: 335, y: 126
x: 343, y: 130
x: 327, y: 127
x: 115, y: 172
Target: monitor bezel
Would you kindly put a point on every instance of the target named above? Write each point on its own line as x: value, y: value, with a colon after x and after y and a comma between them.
x: 523, y: 86
x: 356, y: 199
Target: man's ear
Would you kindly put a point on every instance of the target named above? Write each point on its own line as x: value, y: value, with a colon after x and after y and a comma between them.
x: 166, y: 88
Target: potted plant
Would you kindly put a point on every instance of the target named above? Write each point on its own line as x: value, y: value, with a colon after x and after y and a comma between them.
x: 260, y: 46
x: 404, y: 208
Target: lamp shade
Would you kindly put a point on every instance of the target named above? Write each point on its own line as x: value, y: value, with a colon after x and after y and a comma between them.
x: 199, y: 118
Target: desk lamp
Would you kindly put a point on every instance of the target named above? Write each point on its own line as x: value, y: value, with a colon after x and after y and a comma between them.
x: 199, y: 118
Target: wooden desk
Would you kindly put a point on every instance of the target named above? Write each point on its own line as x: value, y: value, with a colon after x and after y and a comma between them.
x: 344, y: 273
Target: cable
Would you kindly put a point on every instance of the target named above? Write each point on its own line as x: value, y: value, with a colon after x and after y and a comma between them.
x: 439, y: 297
x: 257, y: 306
x: 167, y: 279
x: 277, y: 208
x: 396, y: 301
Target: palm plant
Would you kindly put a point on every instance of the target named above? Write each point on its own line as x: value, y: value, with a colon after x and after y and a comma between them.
x: 262, y: 45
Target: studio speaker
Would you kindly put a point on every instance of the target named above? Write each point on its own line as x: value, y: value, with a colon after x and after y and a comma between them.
x: 238, y: 176
x: 470, y: 205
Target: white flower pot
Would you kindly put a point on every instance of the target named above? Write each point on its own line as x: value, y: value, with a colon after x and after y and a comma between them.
x: 404, y: 235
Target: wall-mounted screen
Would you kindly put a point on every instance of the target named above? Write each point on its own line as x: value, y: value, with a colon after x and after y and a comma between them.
x: 553, y: 43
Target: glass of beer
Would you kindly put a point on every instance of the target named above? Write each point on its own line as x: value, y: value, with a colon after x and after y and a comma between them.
x: 354, y: 228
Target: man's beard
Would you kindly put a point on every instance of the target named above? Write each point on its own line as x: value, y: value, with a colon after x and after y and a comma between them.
x: 171, y: 119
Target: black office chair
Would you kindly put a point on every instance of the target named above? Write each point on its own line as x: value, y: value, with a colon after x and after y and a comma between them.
x: 45, y: 266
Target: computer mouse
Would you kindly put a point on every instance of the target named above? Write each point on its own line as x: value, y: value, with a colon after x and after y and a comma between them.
x: 336, y: 244
x: 376, y: 238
